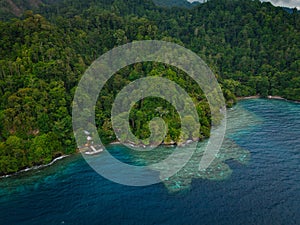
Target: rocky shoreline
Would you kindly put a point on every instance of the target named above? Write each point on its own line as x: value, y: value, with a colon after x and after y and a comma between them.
x: 35, y: 167
x: 165, y: 144
x: 276, y: 97
x: 171, y: 144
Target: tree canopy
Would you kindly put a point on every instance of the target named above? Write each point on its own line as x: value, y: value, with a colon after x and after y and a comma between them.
x: 252, y: 47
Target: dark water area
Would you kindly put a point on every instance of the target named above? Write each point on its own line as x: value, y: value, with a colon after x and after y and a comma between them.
x: 266, y: 190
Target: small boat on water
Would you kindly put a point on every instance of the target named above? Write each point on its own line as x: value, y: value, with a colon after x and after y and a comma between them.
x: 93, y: 150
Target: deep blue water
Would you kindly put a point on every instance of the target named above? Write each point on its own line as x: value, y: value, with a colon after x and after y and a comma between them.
x: 264, y: 191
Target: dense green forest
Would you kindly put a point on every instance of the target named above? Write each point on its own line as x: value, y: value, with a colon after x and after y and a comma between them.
x: 252, y: 47
x: 176, y: 3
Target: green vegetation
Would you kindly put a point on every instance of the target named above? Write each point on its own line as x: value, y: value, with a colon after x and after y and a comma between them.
x: 175, y: 3
x: 147, y: 109
x: 252, y: 47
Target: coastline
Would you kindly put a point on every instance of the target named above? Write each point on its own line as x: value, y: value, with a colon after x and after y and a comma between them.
x: 248, y: 97
x: 117, y: 142
x: 35, y: 167
x: 276, y: 97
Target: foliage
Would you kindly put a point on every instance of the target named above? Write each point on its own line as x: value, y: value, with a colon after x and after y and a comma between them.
x: 175, y: 3
x: 252, y: 47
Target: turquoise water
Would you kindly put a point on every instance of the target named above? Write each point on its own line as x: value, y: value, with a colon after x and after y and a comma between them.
x: 255, y: 180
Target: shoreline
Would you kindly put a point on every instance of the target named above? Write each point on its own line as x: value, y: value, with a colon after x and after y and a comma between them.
x: 248, y: 97
x: 35, y: 167
x: 117, y: 142
x: 270, y: 97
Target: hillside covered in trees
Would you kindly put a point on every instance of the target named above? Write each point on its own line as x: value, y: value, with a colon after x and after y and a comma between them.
x: 252, y: 47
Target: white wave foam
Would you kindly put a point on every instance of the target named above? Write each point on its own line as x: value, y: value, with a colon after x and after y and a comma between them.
x: 36, y: 167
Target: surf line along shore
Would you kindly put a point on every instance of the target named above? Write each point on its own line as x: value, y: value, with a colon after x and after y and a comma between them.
x: 117, y: 142
x: 268, y: 97
x: 248, y: 97
x: 36, y: 167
